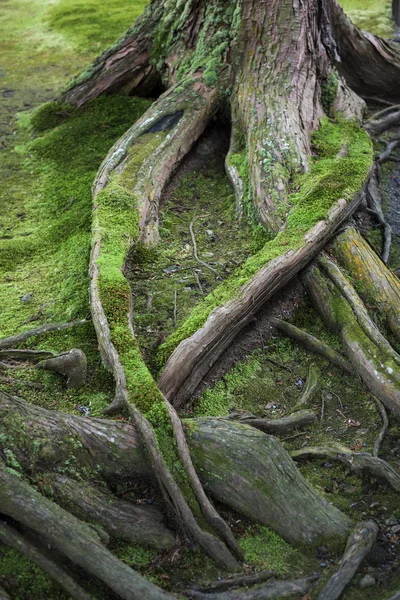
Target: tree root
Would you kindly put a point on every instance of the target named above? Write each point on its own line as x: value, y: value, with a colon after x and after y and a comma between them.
x: 14, y: 340
x: 373, y: 278
x: 383, y: 120
x: 358, y: 307
x: 358, y: 547
x: 357, y: 462
x: 5, y: 596
x: 387, y: 153
x: 311, y: 388
x: 375, y: 366
x: 229, y: 583
x: 12, y: 538
x: 72, y: 364
x: 210, y: 514
x: 276, y: 589
x: 312, y: 344
x: 385, y: 426
x: 26, y: 355
x: 72, y: 537
x: 301, y: 418
x: 124, y: 520
x: 374, y: 202
x: 220, y: 451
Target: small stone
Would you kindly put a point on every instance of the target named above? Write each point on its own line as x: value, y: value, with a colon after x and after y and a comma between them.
x: 391, y: 521
x: 171, y: 269
x: 208, y: 254
x: 374, y: 505
x: 328, y: 465
x: 366, y: 582
x: 395, y: 529
x: 350, y: 489
x: 26, y: 298
x: 211, y: 235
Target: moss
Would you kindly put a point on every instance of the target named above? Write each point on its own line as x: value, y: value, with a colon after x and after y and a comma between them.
x: 371, y: 15
x: 329, y: 89
x: 92, y: 25
x: 25, y: 579
x: 264, y: 549
x: 329, y: 179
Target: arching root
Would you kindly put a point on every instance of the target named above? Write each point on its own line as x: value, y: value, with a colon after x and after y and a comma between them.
x: 112, y: 319
x: 358, y: 462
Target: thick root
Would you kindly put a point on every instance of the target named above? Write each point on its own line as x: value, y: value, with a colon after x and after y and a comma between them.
x: 12, y: 538
x: 372, y: 278
x: 277, y: 589
x: 221, y: 451
x: 358, y: 547
x: 377, y: 369
x: 72, y: 537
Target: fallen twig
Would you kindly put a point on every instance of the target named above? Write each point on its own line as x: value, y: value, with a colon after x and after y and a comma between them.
x: 382, y: 433
x: 197, y: 278
x: 14, y: 340
x: 201, y: 262
x: 312, y: 343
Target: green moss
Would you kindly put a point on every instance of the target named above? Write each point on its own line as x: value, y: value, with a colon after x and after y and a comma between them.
x: 92, y: 25
x: 264, y: 549
x: 329, y: 179
x: 329, y: 89
x: 25, y: 579
x: 371, y: 15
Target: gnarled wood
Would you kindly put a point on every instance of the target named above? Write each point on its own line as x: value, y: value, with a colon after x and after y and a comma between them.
x: 358, y: 547
x: 224, y: 453
x: 301, y: 418
x: 277, y: 589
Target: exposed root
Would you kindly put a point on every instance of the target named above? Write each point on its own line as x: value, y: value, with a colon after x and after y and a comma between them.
x: 26, y: 355
x: 375, y: 366
x: 73, y: 538
x: 373, y: 278
x: 220, y: 451
x: 385, y: 426
x: 358, y: 307
x: 301, y: 418
x: 387, y: 153
x: 120, y: 519
x: 374, y: 202
x: 14, y: 340
x: 229, y: 583
x: 358, y: 462
x: 72, y: 364
x: 276, y: 589
x: 125, y: 67
x: 9, y: 536
x: 313, y: 344
x: 358, y: 547
x: 210, y: 514
x: 311, y: 388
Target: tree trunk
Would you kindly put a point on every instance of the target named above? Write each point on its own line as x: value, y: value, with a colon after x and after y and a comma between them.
x: 272, y: 67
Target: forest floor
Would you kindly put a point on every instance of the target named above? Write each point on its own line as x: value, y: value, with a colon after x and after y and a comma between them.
x: 45, y: 219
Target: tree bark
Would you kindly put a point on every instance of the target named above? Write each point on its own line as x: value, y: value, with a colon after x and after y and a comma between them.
x: 229, y: 457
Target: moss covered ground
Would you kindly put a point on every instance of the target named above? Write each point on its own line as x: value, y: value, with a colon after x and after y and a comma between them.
x: 371, y: 15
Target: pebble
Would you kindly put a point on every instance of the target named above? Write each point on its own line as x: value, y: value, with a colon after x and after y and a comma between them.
x: 366, y: 582
x: 391, y: 521
x: 395, y: 529
x: 26, y: 298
